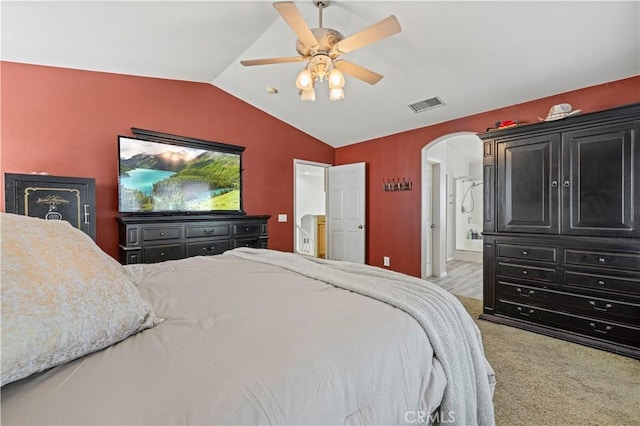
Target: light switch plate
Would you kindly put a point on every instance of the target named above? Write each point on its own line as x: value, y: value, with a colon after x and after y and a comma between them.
x: 282, y: 218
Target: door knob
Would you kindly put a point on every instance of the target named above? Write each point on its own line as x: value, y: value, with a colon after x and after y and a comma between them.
x: 433, y: 226
x: 360, y: 226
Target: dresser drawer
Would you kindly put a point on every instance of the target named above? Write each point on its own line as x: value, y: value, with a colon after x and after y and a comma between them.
x: 155, y: 234
x: 156, y: 254
x: 527, y: 252
x: 606, y: 283
x: 572, y: 303
x: 603, y: 259
x: 246, y: 229
x: 607, y: 330
x: 217, y: 230
x: 247, y: 242
x: 208, y: 248
x: 527, y: 272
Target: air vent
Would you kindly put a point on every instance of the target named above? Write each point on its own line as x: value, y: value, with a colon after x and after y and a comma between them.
x: 426, y: 104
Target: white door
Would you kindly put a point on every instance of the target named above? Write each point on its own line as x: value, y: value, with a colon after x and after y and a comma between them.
x: 345, y: 219
x: 428, y: 217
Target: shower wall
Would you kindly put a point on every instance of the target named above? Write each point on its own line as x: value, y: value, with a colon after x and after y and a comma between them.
x: 468, y: 214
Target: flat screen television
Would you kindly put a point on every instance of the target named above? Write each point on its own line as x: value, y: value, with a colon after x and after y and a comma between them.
x: 176, y: 175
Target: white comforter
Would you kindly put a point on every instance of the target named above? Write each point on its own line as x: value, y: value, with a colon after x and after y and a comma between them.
x: 246, y: 342
x: 452, y: 333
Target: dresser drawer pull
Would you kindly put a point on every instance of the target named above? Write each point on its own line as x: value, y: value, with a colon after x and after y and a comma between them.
x: 162, y: 254
x: 526, y: 314
x: 162, y: 234
x: 602, y: 331
x: 208, y: 249
x: 208, y: 231
x: 525, y: 253
x: 602, y: 260
x: 527, y: 294
x: 607, y: 306
x: 525, y: 272
x: 601, y: 282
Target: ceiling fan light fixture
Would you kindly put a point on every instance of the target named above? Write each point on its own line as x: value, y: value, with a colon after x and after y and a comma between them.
x: 308, y: 95
x: 304, y: 81
x: 336, y: 94
x: 336, y: 79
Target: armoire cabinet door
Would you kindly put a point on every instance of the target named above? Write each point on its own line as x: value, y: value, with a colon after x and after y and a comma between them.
x: 527, y: 174
x: 600, y: 172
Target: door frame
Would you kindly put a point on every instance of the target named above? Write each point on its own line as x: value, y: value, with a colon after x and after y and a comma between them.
x: 439, y: 199
x: 297, y: 162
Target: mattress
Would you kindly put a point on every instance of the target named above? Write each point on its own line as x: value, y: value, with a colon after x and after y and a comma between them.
x: 243, y: 342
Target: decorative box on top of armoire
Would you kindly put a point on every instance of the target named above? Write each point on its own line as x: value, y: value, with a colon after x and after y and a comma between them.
x: 562, y: 228
x: 53, y: 198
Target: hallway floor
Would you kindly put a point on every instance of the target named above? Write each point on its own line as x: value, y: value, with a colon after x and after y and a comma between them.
x: 463, y: 279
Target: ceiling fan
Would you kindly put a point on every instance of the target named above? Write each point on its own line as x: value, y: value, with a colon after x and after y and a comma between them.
x: 321, y: 47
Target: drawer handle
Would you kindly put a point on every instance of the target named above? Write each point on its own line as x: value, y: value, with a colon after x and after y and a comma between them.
x: 162, y: 254
x: 607, y: 329
x: 162, y: 234
x: 607, y: 306
x: 602, y: 260
x: 601, y: 282
x: 208, y: 249
x: 524, y: 252
x: 208, y: 231
x: 527, y: 294
x: 526, y: 314
x: 525, y: 272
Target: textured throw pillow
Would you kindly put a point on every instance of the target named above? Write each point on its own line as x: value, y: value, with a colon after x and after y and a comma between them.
x: 62, y: 297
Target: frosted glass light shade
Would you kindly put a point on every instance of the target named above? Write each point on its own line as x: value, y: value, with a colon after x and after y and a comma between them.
x: 336, y: 79
x: 304, y: 80
x: 336, y: 94
x: 308, y: 95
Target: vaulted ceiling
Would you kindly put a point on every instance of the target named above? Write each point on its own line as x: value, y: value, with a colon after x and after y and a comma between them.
x: 476, y: 56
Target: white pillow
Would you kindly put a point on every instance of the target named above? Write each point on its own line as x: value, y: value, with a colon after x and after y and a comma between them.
x: 62, y: 297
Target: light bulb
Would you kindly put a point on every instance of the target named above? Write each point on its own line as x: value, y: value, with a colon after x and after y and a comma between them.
x: 336, y: 94
x: 336, y: 79
x: 308, y: 95
x: 304, y: 80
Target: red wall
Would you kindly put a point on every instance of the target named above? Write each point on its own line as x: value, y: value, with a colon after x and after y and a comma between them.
x: 65, y: 122
x: 394, y: 217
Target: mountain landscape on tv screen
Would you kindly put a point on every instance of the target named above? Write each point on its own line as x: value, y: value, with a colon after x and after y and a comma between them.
x: 183, y: 180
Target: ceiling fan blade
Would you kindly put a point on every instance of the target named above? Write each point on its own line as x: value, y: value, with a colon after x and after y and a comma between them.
x: 268, y: 61
x: 292, y: 16
x: 385, y: 28
x: 358, y: 72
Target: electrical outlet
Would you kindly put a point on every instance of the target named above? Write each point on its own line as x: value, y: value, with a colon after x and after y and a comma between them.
x: 386, y: 261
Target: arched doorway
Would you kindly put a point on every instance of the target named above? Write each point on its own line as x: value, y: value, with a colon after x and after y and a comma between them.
x: 451, y: 166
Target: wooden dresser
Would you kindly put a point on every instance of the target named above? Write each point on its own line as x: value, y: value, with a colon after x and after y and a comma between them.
x: 562, y: 228
x: 151, y: 239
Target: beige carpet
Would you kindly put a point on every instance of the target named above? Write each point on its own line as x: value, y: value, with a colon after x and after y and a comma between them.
x: 547, y: 381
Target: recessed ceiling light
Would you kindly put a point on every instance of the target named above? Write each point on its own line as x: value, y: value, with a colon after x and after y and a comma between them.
x: 271, y: 90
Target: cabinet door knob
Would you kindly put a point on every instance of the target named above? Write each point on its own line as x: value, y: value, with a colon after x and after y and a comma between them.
x: 566, y: 183
x: 554, y: 184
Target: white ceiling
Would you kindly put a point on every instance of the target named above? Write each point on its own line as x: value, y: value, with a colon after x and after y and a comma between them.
x: 477, y: 56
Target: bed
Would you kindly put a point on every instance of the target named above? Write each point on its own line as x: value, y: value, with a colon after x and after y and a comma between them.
x: 247, y: 337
